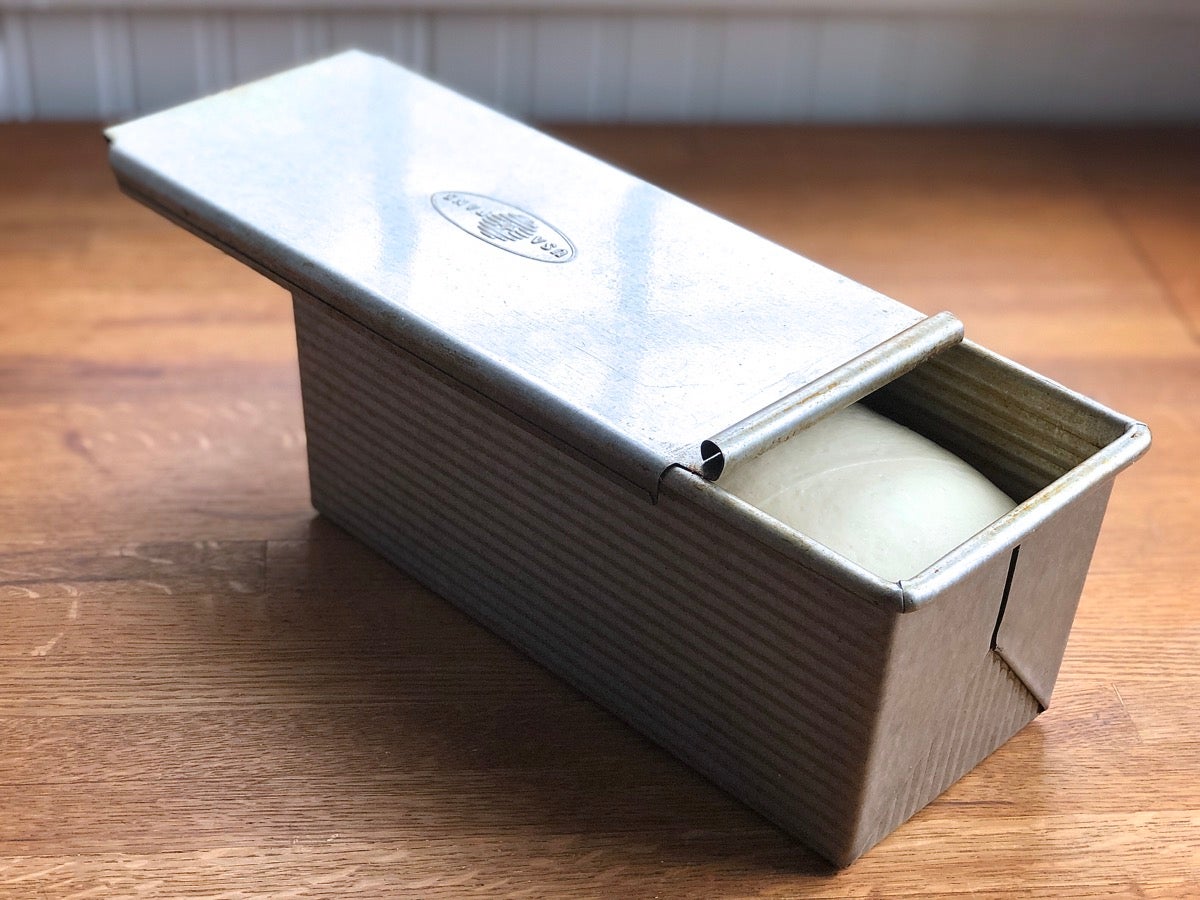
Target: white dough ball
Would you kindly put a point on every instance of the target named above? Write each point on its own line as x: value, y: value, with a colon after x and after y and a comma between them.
x: 874, y: 491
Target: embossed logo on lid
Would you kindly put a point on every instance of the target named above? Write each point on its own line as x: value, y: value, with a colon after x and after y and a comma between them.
x: 504, y: 226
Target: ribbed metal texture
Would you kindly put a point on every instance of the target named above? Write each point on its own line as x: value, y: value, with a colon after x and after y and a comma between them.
x: 1021, y: 434
x: 948, y: 700
x: 836, y: 718
x: 750, y: 670
x: 992, y: 705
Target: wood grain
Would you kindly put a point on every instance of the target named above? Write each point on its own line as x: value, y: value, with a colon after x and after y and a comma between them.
x: 207, y: 691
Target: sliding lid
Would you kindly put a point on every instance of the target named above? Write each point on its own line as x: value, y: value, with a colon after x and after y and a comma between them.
x: 626, y: 322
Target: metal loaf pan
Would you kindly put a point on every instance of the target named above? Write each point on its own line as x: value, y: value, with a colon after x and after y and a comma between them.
x: 523, y: 374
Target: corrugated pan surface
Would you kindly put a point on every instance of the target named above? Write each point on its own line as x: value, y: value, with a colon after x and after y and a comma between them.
x: 761, y: 674
x: 991, y: 706
x: 738, y: 667
x: 1012, y: 425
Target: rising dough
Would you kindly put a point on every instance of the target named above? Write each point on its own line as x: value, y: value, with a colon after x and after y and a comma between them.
x: 876, y: 492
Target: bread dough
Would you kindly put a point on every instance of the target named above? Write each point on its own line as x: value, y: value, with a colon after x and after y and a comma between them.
x: 876, y: 492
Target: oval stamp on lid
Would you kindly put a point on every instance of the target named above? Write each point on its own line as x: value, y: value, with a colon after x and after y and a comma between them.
x: 504, y: 226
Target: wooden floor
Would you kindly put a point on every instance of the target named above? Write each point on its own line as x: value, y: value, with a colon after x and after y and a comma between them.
x: 206, y: 690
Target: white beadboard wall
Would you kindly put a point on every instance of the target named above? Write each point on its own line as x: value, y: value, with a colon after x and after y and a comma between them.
x: 608, y: 60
